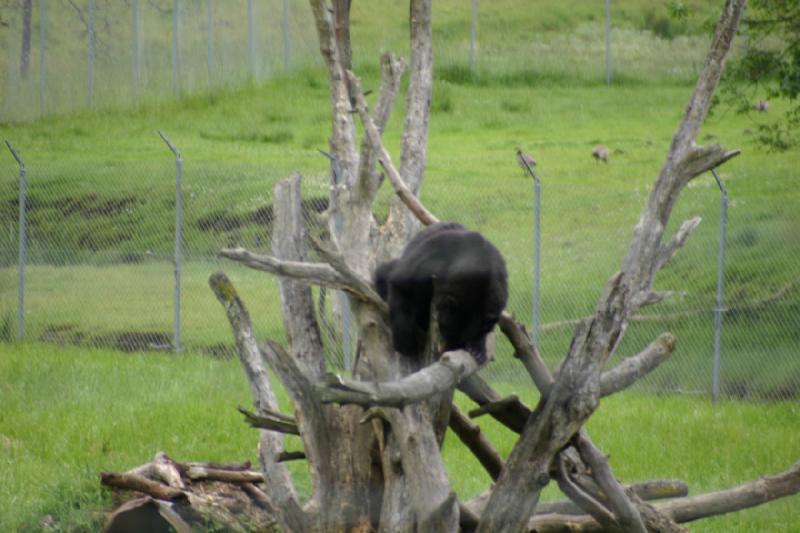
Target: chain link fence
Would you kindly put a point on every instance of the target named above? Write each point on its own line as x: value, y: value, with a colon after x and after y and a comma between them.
x: 59, y: 56
x: 100, y: 264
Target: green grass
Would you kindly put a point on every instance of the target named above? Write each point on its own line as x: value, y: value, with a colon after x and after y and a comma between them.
x: 516, y: 40
x: 123, y: 281
x: 70, y: 413
x: 102, y: 224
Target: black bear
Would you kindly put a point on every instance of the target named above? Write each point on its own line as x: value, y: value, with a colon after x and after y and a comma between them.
x: 462, y: 272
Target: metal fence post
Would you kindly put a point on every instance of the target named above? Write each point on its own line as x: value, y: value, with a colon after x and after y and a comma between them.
x: 178, y: 347
x: 473, y: 35
x: 608, y: 42
x: 23, y: 241
x: 176, y: 67
x: 42, y: 56
x: 92, y: 42
x: 286, y: 35
x: 210, y: 39
x: 134, y: 48
x: 723, y: 225
x: 251, y: 40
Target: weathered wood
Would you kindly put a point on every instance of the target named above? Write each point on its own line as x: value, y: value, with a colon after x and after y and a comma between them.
x: 495, y: 406
x: 122, y: 480
x: 435, y: 379
x: 582, y: 499
x: 750, y: 494
x: 270, y: 421
x: 629, y: 370
x: 197, y: 473
x: 474, y: 439
x: 297, y: 303
x: 687, y: 509
x: 279, y: 482
x: 145, y: 514
x: 370, y: 179
x: 513, y: 416
x: 405, y: 193
x: 319, y: 273
x: 646, y: 490
x: 574, y: 396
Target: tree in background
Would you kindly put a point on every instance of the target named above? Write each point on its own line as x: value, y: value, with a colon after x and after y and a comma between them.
x: 769, y: 68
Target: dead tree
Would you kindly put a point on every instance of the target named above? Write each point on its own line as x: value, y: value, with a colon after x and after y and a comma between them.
x: 372, y: 439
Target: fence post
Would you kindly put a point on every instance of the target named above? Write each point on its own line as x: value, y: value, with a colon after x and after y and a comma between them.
x: 723, y: 225
x: 42, y: 56
x: 527, y: 162
x: 251, y: 41
x: 608, y: 42
x: 134, y: 48
x: 178, y: 347
x: 473, y: 36
x: 176, y: 67
x: 210, y: 39
x: 92, y: 42
x: 23, y: 241
x: 286, y: 35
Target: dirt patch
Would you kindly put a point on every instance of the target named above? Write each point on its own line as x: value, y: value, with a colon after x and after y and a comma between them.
x: 91, y: 206
x: 87, y: 205
x: 127, y: 341
x: 95, y: 242
x: 219, y: 351
x: 263, y: 215
x: 219, y: 221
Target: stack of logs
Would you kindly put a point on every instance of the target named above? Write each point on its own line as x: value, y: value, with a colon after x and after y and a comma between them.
x: 165, y: 495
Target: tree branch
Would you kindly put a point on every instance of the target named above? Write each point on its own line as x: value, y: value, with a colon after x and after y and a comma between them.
x: 687, y: 509
x: 141, y: 484
x: 627, y: 372
x: 526, y: 352
x: 750, y: 494
x: 280, y: 486
x: 270, y: 420
x: 297, y: 302
x: 316, y: 273
x: 585, y: 501
x: 471, y: 435
x: 374, y: 136
x: 392, y: 68
x: 575, y: 395
x: 434, y: 379
x: 358, y: 285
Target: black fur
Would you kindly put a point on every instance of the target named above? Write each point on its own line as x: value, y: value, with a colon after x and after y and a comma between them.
x: 471, y: 289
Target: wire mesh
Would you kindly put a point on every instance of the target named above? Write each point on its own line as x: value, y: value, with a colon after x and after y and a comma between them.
x: 100, y: 264
x: 100, y: 53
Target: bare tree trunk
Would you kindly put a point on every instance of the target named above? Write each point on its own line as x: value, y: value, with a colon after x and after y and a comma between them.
x: 25, y: 51
x: 372, y: 440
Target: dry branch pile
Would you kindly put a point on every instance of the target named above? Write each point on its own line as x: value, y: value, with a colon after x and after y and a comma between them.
x: 372, y: 440
x: 179, y: 496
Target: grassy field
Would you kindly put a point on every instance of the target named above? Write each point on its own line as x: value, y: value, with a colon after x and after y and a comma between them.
x: 101, y: 214
x: 102, y: 210
x: 543, y: 33
x: 69, y: 414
